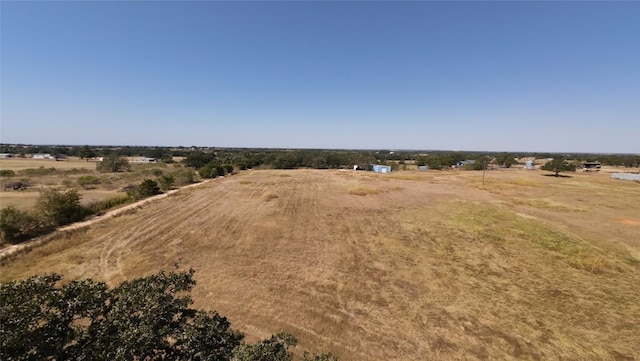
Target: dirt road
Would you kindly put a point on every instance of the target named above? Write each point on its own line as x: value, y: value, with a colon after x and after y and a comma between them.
x: 4, y: 252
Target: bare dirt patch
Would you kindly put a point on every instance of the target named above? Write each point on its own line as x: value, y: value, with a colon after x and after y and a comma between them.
x: 629, y: 221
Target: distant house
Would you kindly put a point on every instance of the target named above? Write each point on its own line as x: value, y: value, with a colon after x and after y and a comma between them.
x: 6, y: 155
x: 423, y: 168
x: 530, y: 164
x: 42, y: 156
x: 378, y: 168
x: 462, y: 163
x: 589, y: 166
x: 145, y: 160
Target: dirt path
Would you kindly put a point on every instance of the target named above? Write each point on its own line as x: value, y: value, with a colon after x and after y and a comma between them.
x: 4, y: 252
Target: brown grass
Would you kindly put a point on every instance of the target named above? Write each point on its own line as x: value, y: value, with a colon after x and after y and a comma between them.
x: 546, y: 204
x: 363, y: 190
x: 441, y: 270
x: 66, y: 178
x: 18, y: 164
x: 268, y: 196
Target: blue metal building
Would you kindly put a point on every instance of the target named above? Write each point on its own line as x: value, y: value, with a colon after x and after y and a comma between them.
x: 381, y: 168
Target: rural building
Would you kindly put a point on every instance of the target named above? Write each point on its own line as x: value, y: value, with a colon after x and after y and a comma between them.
x: 530, y: 165
x: 378, y: 168
x: 588, y: 166
x: 145, y: 160
x: 6, y: 155
x: 42, y: 156
x: 462, y: 163
x: 423, y: 168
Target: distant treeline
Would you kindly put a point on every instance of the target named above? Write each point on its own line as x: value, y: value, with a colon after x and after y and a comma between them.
x: 243, y: 158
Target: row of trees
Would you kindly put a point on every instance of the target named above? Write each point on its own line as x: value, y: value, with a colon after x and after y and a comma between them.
x: 313, y: 158
x: 148, y: 318
x: 54, y: 209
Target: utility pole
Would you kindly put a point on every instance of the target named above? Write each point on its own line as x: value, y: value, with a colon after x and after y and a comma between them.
x: 484, y: 170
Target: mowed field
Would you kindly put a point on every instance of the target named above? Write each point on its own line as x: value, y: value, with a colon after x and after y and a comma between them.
x: 400, y: 266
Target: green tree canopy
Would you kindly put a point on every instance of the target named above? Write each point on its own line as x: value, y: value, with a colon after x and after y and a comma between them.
x: 558, y: 165
x: 148, y: 318
x: 113, y: 163
x: 59, y: 208
x: 86, y: 152
x: 145, y: 189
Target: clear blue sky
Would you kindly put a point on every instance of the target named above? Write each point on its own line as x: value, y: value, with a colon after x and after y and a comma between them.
x: 533, y: 76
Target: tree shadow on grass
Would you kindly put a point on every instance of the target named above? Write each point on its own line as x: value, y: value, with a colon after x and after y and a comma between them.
x: 558, y: 176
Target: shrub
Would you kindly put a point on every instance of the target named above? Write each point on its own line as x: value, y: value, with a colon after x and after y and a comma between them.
x: 184, y: 176
x: 210, y: 170
x: 166, y: 182
x: 113, y: 163
x: 38, y: 172
x: 87, y: 181
x: 145, y: 189
x: 7, y: 173
x: 17, y: 226
x: 60, y: 208
x: 157, y: 172
x: 77, y: 171
x: 99, y: 206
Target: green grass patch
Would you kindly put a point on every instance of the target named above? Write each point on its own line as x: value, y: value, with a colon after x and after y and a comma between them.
x: 501, y: 226
x: 546, y: 205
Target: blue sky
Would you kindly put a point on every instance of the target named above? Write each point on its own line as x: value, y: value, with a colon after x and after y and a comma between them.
x: 515, y: 76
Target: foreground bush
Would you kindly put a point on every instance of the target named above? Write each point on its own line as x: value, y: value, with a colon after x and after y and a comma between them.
x: 183, y: 177
x: 60, y: 208
x: 145, y: 189
x: 145, y: 319
x: 52, y: 209
x: 17, y: 226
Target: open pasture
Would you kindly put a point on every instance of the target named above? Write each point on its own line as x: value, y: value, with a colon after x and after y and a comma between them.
x: 17, y: 164
x: 38, y: 174
x: 400, y: 266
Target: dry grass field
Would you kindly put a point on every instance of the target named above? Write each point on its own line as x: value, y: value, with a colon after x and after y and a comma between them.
x: 26, y: 163
x: 65, y: 177
x: 400, y: 266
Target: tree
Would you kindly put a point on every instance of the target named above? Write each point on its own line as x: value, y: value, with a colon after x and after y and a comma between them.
x: 58, y: 208
x: 148, y: 318
x: 17, y: 226
x: 505, y: 160
x: 113, y: 163
x: 199, y: 159
x: 558, y: 165
x: 184, y: 176
x: 166, y: 181
x: 145, y: 189
x: 86, y: 152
